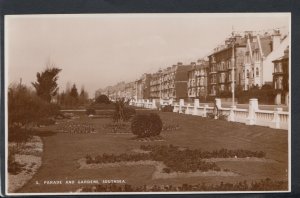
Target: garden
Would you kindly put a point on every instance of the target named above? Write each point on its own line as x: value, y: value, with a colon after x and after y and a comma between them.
x: 149, y: 150
x: 192, y: 154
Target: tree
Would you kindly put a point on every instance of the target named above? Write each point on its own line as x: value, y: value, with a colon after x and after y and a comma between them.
x: 83, y: 96
x: 25, y: 107
x: 46, y: 85
x: 74, y: 96
x: 74, y: 92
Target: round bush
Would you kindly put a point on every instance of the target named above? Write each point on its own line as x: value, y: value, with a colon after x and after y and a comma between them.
x: 155, y: 124
x: 146, y: 125
x: 102, y: 99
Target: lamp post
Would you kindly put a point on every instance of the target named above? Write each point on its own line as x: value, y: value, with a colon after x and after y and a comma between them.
x: 233, y: 67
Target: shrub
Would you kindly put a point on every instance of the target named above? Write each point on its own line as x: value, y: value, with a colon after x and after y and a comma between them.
x: 102, y: 99
x: 155, y: 124
x: 167, y: 108
x: 146, y: 125
x: 129, y: 112
x: 17, y: 134
x: 90, y: 111
x: 122, y: 111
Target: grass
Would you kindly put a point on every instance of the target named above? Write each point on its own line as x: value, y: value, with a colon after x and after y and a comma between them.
x: 62, y: 152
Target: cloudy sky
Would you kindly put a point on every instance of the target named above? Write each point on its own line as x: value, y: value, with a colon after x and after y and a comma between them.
x: 98, y: 50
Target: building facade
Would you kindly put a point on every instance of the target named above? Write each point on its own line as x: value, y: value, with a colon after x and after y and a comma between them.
x: 129, y: 90
x: 197, y: 80
x: 281, y: 78
x: 142, y: 87
x: 261, y: 50
x: 222, y: 61
x: 155, y: 85
x: 174, y: 82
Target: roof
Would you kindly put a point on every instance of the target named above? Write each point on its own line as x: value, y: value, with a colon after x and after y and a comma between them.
x: 281, y: 58
x: 265, y: 45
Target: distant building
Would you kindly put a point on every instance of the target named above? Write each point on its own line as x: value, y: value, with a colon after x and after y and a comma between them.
x: 129, y: 90
x: 142, y: 87
x: 197, y: 80
x: 281, y: 78
x: 260, y: 52
x: 221, y: 63
x: 155, y: 85
x: 174, y: 81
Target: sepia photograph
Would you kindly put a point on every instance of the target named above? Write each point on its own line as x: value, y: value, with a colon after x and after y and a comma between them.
x: 147, y: 103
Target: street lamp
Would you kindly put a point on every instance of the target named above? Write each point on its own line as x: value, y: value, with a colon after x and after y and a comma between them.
x: 233, y: 67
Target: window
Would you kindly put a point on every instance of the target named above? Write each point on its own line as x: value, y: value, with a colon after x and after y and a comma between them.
x: 248, y: 73
x: 257, y: 72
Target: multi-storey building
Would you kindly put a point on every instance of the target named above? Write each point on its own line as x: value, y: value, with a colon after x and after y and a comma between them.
x: 261, y: 50
x: 142, y: 87
x: 222, y: 61
x: 155, y: 85
x: 197, y: 80
x: 281, y: 78
x: 174, y: 81
x: 129, y: 90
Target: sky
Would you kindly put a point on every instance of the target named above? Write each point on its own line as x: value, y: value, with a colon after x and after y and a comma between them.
x: 98, y: 50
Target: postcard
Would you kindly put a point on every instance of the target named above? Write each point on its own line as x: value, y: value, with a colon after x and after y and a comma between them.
x: 148, y: 103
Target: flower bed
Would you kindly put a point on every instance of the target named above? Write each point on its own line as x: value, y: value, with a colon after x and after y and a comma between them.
x: 176, y: 159
x: 28, y: 158
x: 118, y: 127
x: 74, y: 127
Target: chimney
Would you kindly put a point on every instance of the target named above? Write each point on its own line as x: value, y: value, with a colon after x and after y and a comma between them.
x: 275, y: 39
x: 179, y: 63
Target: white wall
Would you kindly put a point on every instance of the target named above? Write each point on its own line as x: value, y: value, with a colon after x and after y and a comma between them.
x: 268, y: 66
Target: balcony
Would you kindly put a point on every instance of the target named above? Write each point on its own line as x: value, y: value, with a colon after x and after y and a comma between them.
x: 213, y: 82
x: 213, y: 71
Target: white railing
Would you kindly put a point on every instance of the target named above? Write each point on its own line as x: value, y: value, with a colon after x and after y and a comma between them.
x: 252, y: 116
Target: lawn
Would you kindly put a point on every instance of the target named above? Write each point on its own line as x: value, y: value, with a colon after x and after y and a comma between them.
x: 63, y: 150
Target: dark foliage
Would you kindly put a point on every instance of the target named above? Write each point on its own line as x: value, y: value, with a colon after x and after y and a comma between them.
x: 167, y: 108
x: 18, y: 135
x: 145, y: 125
x: 24, y: 107
x: 102, y: 99
x: 122, y: 111
x: 265, y: 94
x: 46, y: 85
x: 176, y: 159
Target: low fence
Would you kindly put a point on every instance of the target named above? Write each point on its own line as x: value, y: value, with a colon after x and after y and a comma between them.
x: 277, y: 119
